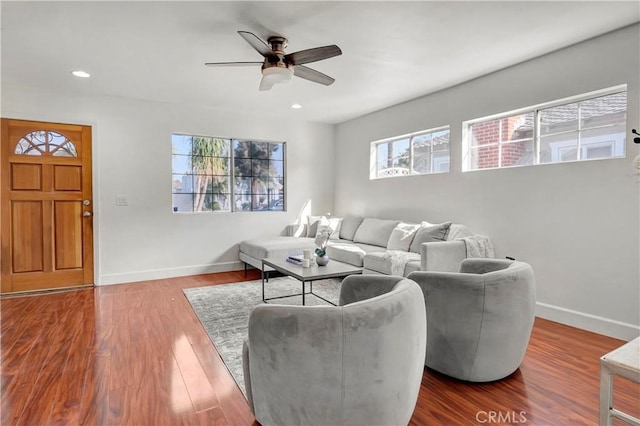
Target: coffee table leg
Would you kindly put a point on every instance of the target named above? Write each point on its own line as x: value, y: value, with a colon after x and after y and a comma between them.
x: 263, y: 283
x: 302, y: 292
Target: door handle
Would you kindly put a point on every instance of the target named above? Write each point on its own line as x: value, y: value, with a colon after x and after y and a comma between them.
x: 86, y: 214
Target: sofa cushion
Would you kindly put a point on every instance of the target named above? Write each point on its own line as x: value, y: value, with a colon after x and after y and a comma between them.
x: 402, y: 236
x: 349, y: 226
x: 375, y: 231
x: 427, y: 234
x: 278, y: 247
x: 412, y: 266
x: 381, y: 262
x: 349, y: 252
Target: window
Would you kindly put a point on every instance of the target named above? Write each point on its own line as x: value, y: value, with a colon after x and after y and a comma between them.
x: 216, y: 174
x: 45, y: 142
x: 584, y: 128
x: 416, y: 154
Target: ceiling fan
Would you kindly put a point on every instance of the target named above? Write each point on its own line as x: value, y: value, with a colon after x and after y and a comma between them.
x: 278, y: 67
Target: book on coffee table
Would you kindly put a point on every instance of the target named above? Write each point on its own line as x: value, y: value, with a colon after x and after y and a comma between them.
x: 295, y: 259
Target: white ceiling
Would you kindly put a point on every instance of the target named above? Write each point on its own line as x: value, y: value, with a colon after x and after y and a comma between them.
x: 392, y: 51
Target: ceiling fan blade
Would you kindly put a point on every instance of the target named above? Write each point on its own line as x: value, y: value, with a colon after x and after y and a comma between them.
x: 257, y: 43
x: 312, y: 55
x: 265, y: 84
x: 312, y: 75
x: 231, y: 64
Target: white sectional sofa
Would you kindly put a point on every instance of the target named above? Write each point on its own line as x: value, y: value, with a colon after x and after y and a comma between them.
x: 379, y: 246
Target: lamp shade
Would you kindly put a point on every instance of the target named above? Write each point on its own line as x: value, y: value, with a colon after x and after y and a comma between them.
x: 273, y: 75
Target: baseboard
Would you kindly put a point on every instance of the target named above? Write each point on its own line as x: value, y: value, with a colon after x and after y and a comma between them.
x: 156, y: 274
x: 600, y: 325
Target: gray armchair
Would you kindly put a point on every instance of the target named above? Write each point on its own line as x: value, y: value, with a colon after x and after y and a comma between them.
x: 478, y: 320
x: 358, y: 363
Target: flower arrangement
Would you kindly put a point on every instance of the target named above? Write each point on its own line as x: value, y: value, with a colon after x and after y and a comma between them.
x: 322, y: 239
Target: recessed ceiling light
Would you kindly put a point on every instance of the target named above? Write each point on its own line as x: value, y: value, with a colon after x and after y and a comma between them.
x: 80, y: 73
x: 296, y: 106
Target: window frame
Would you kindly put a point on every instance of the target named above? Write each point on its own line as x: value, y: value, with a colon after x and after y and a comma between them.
x: 231, y: 175
x: 373, y: 154
x: 536, y: 134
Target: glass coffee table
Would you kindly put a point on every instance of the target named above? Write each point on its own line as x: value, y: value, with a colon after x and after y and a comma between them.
x: 333, y: 269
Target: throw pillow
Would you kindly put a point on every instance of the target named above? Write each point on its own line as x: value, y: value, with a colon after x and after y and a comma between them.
x: 402, y: 236
x: 427, y: 234
x: 312, y: 225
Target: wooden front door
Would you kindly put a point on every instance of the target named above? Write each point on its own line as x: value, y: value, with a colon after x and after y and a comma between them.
x: 46, y: 230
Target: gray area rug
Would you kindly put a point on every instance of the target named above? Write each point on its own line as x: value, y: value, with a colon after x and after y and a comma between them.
x: 224, y: 311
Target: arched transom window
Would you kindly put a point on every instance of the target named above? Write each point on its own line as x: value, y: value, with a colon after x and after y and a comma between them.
x: 44, y: 142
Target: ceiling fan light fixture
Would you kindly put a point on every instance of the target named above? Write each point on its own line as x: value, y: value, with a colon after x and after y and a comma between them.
x: 277, y: 74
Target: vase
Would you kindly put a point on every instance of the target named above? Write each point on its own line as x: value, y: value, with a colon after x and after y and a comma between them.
x: 322, y: 260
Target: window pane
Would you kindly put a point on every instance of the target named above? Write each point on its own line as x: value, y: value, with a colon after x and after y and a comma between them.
x: 182, y: 202
x: 401, y: 151
x: 241, y: 149
x: 243, y: 185
x: 202, y: 202
x: 210, y: 165
x: 502, y: 129
x: 181, y: 144
x: 517, y: 153
x: 209, y: 147
x: 484, y: 157
x: 276, y: 204
x: 440, y: 162
x: 421, y: 161
x: 603, y: 142
x: 277, y: 151
x: 181, y: 164
x: 276, y: 168
x: 563, y: 118
x: 260, y: 150
x: 422, y: 142
x: 384, y: 161
x: 260, y: 168
x: 558, y: 148
x: 441, y: 141
x: 604, y: 111
x: 200, y: 183
x: 242, y: 167
x: 66, y: 150
x: 182, y: 183
x: 220, y: 184
x: 220, y: 202
x: 260, y: 189
x: 243, y: 202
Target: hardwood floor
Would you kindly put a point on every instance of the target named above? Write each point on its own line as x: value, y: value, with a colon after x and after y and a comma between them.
x: 137, y: 354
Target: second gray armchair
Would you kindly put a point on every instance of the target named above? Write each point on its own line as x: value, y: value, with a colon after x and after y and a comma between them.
x: 478, y: 320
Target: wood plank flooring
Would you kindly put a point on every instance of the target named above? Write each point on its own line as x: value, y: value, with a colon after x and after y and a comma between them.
x: 136, y: 354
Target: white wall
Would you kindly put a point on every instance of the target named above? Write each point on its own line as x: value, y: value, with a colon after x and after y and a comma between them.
x: 132, y: 157
x: 577, y: 224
